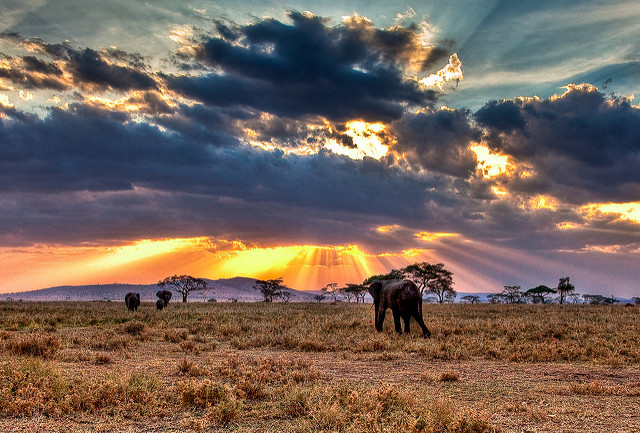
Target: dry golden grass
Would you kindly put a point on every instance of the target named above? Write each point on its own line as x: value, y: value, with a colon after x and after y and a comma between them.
x: 316, y: 367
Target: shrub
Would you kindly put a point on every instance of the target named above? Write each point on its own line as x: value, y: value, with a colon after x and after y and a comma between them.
x: 201, y: 394
x: 134, y: 328
x: 449, y: 376
x: 34, y: 345
x: 30, y: 388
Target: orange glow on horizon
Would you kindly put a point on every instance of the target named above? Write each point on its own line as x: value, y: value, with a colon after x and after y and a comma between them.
x: 303, y: 267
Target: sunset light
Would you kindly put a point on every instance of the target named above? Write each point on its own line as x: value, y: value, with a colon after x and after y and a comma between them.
x: 318, y: 143
x: 367, y: 141
x: 491, y: 164
x: 625, y: 211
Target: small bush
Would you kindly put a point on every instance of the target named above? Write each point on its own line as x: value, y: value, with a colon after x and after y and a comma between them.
x: 175, y: 335
x: 188, y: 346
x: 187, y: 368
x: 30, y: 388
x: 225, y: 412
x: 449, y: 376
x: 134, y: 328
x: 34, y: 345
x: 201, y: 394
x: 102, y: 359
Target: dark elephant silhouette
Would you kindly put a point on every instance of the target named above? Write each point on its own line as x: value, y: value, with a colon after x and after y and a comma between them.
x: 163, y: 295
x: 159, y: 304
x: 404, y: 299
x: 132, y: 300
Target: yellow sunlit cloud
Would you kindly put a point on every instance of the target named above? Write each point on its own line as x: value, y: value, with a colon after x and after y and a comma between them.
x: 491, y: 164
x: 625, y: 211
x: 433, y: 236
x: 452, y: 71
x: 387, y: 229
x: 4, y: 101
x: 123, y: 103
x: 584, y: 87
x: 500, y: 192
x: 25, y: 96
x: 567, y: 226
x: 367, y: 138
x: 543, y: 202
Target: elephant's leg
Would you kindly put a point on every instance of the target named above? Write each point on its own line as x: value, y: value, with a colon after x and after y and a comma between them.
x: 417, y: 314
x: 396, y: 321
x: 407, y: 318
x: 381, y: 313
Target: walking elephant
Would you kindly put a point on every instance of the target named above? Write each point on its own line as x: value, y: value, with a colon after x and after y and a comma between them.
x: 132, y: 300
x: 164, y: 296
x: 404, y: 299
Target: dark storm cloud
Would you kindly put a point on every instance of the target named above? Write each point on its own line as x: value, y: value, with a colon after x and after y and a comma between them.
x: 88, y: 68
x: 500, y: 117
x: 31, y: 73
x: 583, y: 146
x: 88, y: 174
x: 308, y: 68
x: 438, y: 141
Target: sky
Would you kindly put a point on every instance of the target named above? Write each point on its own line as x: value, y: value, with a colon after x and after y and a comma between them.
x: 320, y: 141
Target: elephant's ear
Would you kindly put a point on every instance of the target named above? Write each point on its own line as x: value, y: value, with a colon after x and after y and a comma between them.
x: 374, y: 289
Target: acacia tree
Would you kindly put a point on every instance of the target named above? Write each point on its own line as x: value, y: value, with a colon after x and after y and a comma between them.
x: 434, y: 279
x: 564, y: 289
x: 359, y: 291
x: 394, y: 274
x: 471, y: 299
x: 183, y: 284
x: 540, y: 294
x: 286, y: 295
x: 512, y: 294
x: 270, y: 289
x: 331, y: 289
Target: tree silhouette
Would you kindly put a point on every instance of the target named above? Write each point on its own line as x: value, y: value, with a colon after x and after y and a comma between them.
x: 183, y: 284
x: 564, y: 288
x: 471, y: 299
x: 394, y: 274
x: 434, y: 279
x: 540, y: 294
x: 359, y: 291
x: 319, y: 298
x: 270, y: 289
x: 512, y: 294
x: 331, y: 289
x: 286, y: 295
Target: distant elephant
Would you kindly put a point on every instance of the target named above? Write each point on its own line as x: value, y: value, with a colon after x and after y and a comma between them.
x: 164, y: 295
x: 132, y: 300
x: 404, y: 299
x: 159, y: 304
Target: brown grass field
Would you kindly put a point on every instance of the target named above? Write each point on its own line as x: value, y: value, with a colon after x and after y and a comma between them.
x: 256, y: 367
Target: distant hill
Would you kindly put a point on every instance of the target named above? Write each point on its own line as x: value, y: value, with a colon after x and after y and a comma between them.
x: 239, y: 288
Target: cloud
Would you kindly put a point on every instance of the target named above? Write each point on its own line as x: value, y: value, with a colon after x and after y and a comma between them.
x: 438, y: 141
x: 309, y: 68
x: 89, y: 174
x: 83, y: 67
x: 582, y: 146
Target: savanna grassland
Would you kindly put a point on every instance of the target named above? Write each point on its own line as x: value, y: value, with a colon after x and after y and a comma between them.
x: 256, y: 367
